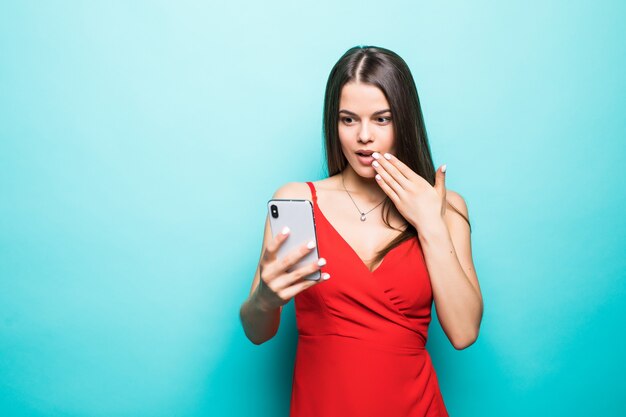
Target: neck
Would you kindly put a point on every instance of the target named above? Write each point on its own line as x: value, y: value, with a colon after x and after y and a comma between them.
x: 367, y: 188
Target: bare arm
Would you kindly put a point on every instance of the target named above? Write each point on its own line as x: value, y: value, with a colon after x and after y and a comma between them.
x: 457, y: 295
x: 272, y: 286
x: 260, y: 322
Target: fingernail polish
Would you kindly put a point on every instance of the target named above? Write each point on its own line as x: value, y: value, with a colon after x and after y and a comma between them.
x: 321, y: 262
x: 311, y: 244
x: 375, y: 163
x: 388, y: 156
x: 443, y: 168
x: 325, y: 275
x: 285, y: 230
x: 375, y: 155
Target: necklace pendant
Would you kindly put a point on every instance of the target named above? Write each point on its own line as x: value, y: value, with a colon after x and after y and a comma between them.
x: 362, y: 217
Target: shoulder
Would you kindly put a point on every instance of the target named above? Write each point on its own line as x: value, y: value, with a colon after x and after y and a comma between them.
x: 293, y: 190
x: 456, y: 215
x: 300, y: 190
x: 456, y: 200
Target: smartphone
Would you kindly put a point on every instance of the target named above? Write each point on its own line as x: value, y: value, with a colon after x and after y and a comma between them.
x: 298, y: 215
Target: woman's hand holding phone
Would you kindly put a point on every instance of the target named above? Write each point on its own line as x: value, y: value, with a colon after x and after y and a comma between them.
x: 277, y: 286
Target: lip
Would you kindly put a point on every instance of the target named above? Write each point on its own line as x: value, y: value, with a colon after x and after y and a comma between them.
x: 365, y: 160
x: 368, y: 152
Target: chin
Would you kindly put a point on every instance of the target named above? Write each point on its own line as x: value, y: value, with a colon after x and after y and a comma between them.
x: 365, y: 172
x: 370, y: 173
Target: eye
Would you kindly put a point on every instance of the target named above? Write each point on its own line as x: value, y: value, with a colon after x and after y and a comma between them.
x: 346, y: 120
x: 384, y: 119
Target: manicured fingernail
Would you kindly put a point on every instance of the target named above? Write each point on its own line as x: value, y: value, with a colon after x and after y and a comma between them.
x: 285, y: 230
x: 378, y: 177
x: 375, y: 163
x: 321, y: 262
x: 325, y: 275
x: 375, y: 155
x: 388, y: 155
x: 311, y: 244
x: 443, y: 168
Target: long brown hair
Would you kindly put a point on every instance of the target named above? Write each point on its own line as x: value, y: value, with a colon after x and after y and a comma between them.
x: 386, y: 70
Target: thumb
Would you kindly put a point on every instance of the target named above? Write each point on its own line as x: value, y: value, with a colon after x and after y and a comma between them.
x: 440, y: 180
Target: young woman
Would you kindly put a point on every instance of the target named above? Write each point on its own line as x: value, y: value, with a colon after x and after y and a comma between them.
x: 362, y: 329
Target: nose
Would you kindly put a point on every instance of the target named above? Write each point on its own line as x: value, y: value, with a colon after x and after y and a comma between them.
x: 364, y: 133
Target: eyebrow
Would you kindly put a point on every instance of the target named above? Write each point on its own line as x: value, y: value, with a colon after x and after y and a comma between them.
x: 373, y: 114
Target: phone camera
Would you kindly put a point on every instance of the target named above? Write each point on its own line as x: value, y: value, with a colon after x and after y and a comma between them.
x: 274, y: 211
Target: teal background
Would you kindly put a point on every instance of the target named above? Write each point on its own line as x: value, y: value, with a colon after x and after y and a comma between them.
x: 140, y: 142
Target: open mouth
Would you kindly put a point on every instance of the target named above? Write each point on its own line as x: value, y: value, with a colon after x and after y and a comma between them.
x: 365, y: 157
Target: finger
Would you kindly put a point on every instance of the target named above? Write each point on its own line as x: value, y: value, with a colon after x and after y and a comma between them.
x: 303, y: 284
x: 399, y: 176
x: 274, y: 244
x: 299, y: 274
x: 293, y: 257
x: 387, y: 179
x: 403, y: 168
x: 386, y: 187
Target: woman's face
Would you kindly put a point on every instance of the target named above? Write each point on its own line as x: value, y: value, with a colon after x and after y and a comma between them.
x: 364, y: 125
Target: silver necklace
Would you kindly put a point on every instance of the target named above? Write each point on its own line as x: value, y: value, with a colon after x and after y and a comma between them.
x: 357, y: 207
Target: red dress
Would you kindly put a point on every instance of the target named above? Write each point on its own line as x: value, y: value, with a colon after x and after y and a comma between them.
x: 362, y: 335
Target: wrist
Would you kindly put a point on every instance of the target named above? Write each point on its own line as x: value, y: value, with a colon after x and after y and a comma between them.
x: 259, y: 303
x: 434, y: 230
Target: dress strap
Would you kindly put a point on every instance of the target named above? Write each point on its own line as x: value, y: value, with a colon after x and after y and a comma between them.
x: 313, y: 194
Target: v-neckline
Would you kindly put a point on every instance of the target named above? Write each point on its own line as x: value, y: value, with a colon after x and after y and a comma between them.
x: 356, y: 255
